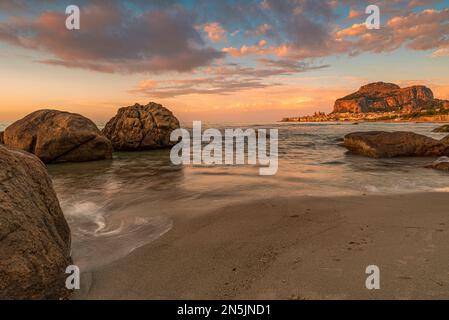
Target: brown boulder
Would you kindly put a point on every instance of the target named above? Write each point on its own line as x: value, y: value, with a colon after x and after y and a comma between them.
x: 380, y: 144
x: 34, y: 236
x: 384, y: 97
x: 444, y: 128
x: 56, y: 136
x: 141, y: 127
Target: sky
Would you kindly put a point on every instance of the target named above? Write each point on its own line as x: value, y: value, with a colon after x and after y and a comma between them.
x: 214, y: 60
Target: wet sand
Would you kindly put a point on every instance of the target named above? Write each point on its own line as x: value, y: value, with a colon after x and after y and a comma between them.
x: 291, y: 248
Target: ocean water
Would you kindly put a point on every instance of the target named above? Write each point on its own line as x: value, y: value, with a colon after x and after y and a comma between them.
x: 114, y: 207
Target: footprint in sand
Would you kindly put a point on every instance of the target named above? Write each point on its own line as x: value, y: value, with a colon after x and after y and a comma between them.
x: 357, y: 245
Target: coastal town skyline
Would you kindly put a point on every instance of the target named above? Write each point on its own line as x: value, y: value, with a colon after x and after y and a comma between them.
x: 215, y: 60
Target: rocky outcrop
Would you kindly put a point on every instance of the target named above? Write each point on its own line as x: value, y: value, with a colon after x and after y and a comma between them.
x: 382, y: 101
x: 56, y: 136
x: 34, y: 236
x: 384, y: 97
x: 444, y: 128
x: 141, y: 127
x: 380, y: 144
x: 1, y: 137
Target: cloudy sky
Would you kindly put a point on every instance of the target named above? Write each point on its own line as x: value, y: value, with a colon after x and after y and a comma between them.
x: 214, y: 60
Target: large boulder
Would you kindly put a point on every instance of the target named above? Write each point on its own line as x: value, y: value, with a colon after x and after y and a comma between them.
x: 56, y: 136
x: 444, y: 128
x: 385, y: 97
x: 34, y: 236
x: 141, y: 127
x: 380, y: 144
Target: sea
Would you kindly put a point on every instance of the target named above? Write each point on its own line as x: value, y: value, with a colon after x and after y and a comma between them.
x: 114, y: 207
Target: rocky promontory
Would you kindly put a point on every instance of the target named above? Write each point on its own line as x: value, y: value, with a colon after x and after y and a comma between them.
x: 385, y: 97
x: 384, y: 101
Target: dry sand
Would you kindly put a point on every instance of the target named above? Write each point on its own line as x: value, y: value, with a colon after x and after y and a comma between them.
x: 291, y: 248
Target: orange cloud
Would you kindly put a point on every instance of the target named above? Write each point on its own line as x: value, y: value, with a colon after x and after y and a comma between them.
x: 215, y: 32
x: 354, y: 30
x: 354, y: 14
x: 260, y: 48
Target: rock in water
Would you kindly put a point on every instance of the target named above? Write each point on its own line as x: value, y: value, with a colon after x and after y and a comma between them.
x: 56, y: 136
x: 441, y: 164
x: 34, y: 236
x: 380, y: 144
x: 141, y: 127
x: 444, y: 128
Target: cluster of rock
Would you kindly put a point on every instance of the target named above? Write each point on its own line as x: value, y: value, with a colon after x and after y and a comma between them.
x: 34, y: 235
x: 57, y: 136
x: 384, y: 101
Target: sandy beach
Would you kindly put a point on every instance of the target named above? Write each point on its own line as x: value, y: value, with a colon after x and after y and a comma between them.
x: 291, y: 248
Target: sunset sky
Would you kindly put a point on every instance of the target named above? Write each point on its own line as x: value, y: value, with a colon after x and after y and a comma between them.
x: 214, y: 60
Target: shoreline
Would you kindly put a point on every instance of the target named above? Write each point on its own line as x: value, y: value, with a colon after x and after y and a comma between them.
x: 369, y: 121
x: 291, y: 248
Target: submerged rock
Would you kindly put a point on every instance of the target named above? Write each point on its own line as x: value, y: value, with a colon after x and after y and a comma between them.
x: 34, y: 236
x: 380, y: 144
x: 56, y: 136
x: 441, y: 164
x: 141, y: 127
x: 444, y: 128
